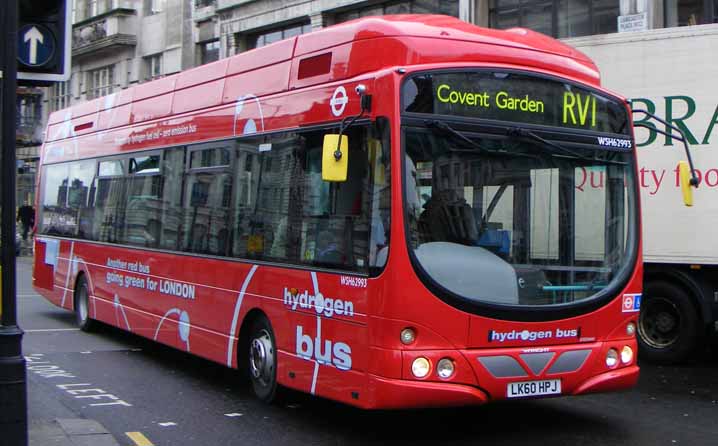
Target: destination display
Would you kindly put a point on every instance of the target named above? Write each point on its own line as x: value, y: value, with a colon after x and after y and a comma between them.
x: 514, y: 97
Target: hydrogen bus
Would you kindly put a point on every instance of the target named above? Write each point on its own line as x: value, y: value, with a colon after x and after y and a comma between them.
x: 399, y: 211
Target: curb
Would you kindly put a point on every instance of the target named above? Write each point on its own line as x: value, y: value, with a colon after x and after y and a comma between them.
x: 70, y: 432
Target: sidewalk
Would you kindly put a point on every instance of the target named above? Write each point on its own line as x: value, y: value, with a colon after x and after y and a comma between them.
x: 69, y: 432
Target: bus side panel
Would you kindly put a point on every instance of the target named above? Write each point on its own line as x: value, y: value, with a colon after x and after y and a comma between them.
x: 319, y: 321
x: 187, y: 303
x: 43, y: 267
x: 322, y: 356
x: 63, y: 279
x: 199, y: 304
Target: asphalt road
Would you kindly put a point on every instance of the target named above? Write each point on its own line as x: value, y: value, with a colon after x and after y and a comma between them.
x: 131, y: 385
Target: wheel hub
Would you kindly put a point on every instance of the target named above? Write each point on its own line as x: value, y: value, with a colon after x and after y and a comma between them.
x: 659, y: 323
x: 665, y: 322
x: 261, y: 358
x: 82, y: 304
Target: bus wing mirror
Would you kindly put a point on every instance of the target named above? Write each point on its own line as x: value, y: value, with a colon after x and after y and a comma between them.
x: 684, y: 172
x: 335, y: 158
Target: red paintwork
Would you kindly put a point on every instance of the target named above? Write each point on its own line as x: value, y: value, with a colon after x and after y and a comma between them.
x: 201, y: 104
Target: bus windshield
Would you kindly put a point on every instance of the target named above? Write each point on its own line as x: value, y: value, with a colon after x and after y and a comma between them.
x: 507, y: 213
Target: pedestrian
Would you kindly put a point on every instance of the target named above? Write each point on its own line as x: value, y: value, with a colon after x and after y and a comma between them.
x: 26, y: 216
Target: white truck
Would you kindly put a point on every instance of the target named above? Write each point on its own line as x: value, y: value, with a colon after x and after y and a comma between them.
x: 672, y: 72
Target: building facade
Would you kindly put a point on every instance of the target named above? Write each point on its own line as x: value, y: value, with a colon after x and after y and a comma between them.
x: 115, y: 44
x: 239, y: 25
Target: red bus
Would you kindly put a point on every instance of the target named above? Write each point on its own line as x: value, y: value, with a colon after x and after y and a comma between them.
x: 402, y: 211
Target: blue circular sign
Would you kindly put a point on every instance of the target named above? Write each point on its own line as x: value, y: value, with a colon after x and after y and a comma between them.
x: 35, y: 45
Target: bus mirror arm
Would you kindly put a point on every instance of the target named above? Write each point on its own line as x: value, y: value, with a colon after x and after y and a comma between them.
x: 682, y: 138
x: 365, y: 102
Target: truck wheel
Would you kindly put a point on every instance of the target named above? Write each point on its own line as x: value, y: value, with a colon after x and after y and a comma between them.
x: 263, y: 360
x: 668, y: 324
x: 82, y: 305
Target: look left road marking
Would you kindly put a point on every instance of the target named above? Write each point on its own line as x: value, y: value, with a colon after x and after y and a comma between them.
x: 139, y: 439
x: 37, y: 364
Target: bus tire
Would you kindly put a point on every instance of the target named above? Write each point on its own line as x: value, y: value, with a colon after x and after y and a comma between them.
x: 82, y: 305
x: 262, y: 359
x: 668, y: 324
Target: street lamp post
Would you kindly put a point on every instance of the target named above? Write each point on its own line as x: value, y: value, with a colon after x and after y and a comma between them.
x: 13, y: 389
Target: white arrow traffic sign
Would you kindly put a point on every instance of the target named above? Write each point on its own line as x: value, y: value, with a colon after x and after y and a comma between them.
x: 34, y: 36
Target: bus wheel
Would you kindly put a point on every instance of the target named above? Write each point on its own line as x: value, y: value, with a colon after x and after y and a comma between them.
x: 668, y: 324
x: 263, y: 360
x: 82, y: 305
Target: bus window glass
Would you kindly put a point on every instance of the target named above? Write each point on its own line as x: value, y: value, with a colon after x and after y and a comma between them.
x: 285, y: 212
x: 171, y: 200
x: 544, y: 215
x: 143, y: 221
x: 110, y: 168
x: 270, y: 235
x: 145, y: 164
x: 335, y: 225
x: 81, y: 174
x: 214, y: 157
x: 522, y: 228
x: 109, y: 202
x: 509, y: 202
x: 66, y: 192
x: 380, y: 207
x: 206, y: 213
x: 245, y: 175
x: 54, y: 218
x: 591, y: 200
x: 256, y: 198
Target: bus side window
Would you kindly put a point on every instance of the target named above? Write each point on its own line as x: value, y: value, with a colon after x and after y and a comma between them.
x: 336, y: 227
x: 109, y: 201
x: 207, y: 199
x: 170, y: 216
x: 79, y: 196
x: 54, y: 200
x: 245, y: 197
x: 145, y: 190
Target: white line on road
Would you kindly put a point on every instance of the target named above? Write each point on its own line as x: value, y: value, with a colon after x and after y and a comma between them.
x: 49, y: 330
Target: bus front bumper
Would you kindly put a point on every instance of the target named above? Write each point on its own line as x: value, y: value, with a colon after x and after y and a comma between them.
x: 388, y: 393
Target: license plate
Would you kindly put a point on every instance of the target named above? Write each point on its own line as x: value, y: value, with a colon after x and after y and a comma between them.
x: 534, y: 388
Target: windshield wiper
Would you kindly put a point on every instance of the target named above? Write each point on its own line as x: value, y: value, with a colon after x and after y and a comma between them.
x: 442, y: 128
x: 517, y: 132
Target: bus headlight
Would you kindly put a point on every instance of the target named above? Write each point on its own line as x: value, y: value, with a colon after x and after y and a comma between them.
x: 407, y: 336
x: 420, y: 367
x: 612, y: 358
x: 626, y: 355
x: 445, y: 368
x: 631, y: 329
